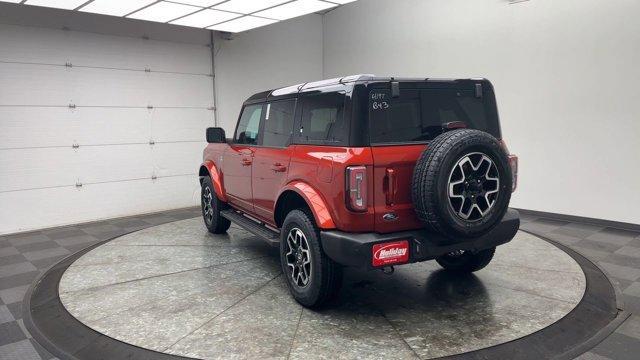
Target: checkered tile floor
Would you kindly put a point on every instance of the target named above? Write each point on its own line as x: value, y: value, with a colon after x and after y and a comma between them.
x: 24, y: 256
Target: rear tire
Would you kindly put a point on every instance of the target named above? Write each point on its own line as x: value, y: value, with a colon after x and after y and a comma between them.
x: 312, y: 277
x: 211, y: 207
x: 466, y: 262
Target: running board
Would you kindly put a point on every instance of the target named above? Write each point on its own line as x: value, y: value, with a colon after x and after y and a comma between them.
x: 270, y: 236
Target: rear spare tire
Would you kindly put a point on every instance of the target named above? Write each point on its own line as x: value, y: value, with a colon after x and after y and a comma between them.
x: 462, y: 183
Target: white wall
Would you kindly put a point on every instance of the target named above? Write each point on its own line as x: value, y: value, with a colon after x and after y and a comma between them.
x: 566, y: 74
x: 278, y: 55
x: 111, y: 123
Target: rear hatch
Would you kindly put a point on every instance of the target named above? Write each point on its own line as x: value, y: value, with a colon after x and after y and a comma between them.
x: 403, y: 117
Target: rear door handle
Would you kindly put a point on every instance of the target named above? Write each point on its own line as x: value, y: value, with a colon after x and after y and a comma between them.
x: 246, y: 162
x: 277, y: 167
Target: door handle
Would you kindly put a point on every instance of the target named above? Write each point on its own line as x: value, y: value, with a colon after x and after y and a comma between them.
x: 392, y: 188
x: 277, y: 167
x: 246, y: 162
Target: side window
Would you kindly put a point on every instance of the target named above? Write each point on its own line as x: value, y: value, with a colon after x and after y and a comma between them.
x: 323, y: 119
x: 248, y: 126
x: 278, y: 123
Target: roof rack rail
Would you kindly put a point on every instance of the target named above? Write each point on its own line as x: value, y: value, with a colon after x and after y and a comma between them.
x: 356, y: 77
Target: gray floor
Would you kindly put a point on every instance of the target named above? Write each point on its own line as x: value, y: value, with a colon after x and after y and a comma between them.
x: 175, y: 288
x: 23, y: 256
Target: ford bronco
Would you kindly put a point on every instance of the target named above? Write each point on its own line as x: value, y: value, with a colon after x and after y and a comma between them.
x: 364, y: 171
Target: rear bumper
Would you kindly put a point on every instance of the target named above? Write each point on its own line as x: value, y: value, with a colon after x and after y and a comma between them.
x: 355, y: 249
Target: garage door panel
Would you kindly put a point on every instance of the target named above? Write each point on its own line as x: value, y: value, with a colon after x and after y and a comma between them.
x: 103, y: 125
x: 35, y: 168
x: 24, y: 85
x: 56, y: 126
x: 178, y: 57
x: 104, y: 87
x: 96, y: 50
x: 137, y: 53
x: 114, y: 163
x: 31, y: 44
x: 37, y: 45
x: 36, y: 127
x: 177, y: 158
x: 94, y: 202
x: 180, y: 124
x: 181, y: 90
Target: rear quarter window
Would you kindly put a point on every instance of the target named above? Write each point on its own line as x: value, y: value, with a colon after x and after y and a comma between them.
x: 417, y: 115
x: 322, y: 119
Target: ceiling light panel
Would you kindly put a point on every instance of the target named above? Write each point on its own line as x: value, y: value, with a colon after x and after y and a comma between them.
x: 242, y: 24
x: 115, y: 7
x: 58, y: 4
x: 341, y: 2
x: 203, y: 3
x: 248, y: 6
x: 163, y: 12
x: 295, y: 9
x: 205, y: 18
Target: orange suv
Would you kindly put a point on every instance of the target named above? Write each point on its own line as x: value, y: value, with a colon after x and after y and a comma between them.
x: 364, y: 171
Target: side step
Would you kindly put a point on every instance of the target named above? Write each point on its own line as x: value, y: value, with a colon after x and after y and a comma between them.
x: 270, y: 236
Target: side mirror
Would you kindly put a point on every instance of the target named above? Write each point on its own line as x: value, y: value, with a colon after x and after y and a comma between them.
x: 216, y: 135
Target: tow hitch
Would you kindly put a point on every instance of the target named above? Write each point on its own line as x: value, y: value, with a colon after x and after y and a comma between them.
x: 388, y: 270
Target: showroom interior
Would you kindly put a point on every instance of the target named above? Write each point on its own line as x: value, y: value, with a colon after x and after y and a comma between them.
x: 120, y: 238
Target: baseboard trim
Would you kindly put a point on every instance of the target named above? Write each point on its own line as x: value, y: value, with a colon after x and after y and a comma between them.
x: 582, y: 219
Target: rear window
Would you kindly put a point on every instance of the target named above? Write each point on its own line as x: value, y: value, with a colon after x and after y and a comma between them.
x: 417, y: 115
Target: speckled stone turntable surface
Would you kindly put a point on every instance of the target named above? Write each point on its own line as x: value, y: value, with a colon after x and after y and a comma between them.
x: 177, y: 289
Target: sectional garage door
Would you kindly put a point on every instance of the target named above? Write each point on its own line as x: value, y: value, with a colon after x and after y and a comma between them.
x: 95, y: 126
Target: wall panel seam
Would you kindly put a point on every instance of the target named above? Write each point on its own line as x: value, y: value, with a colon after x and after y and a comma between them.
x: 71, y: 65
x: 106, y: 144
x: 97, y: 183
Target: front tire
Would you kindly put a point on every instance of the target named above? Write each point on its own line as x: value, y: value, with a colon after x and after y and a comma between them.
x: 466, y: 261
x: 211, y: 207
x: 312, y: 277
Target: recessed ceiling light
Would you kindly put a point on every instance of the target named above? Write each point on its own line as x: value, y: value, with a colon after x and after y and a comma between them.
x: 58, y: 4
x: 242, y: 24
x: 115, y: 7
x: 295, y: 9
x: 163, y: 12
x: 205, y: 18
x: 248, y: 6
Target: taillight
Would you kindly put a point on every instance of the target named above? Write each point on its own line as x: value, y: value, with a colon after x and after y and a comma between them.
x: 513, y: 163
x: 357, y: 188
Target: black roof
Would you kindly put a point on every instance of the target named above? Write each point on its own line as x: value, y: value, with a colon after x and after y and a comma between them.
x: 351, y: 79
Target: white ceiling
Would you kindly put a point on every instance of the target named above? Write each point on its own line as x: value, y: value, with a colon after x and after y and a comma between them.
x: 221, y: 15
